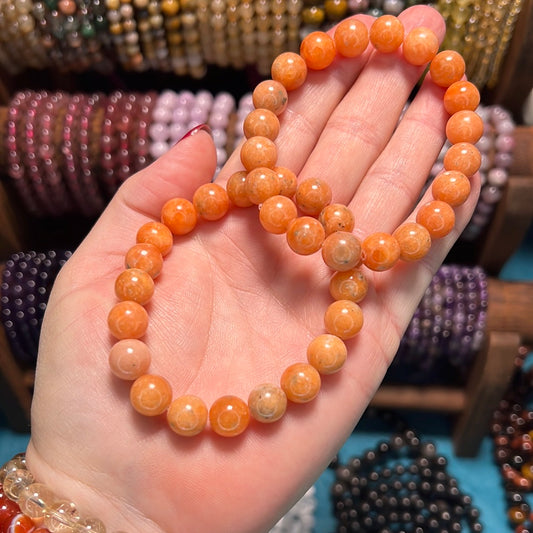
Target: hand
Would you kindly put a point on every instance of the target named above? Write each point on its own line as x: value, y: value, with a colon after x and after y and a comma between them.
x: 233, y: 308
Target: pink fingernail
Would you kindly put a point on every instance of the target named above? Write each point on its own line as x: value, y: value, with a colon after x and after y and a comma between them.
x: 195, y: 130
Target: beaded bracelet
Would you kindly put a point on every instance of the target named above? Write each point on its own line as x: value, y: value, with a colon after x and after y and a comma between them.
x: 264, y: 184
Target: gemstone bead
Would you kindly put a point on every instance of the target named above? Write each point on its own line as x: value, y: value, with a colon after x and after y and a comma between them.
x: 18, y: 523
x: 386, y: 34
x: 290, y: 70
x: 452, y: 187
x: 127, y: 320
x: 351, y: 38
x: 327, y: 353
x: 300, y: 382
x: 35, y: 499
x: 380, y: 251
x: 187, y: 415
x: 134, y: 284
x: 270, y: 94
x: 157, y: 234
x: 129, y: 359
x: 461, y: 95
x: 150, y: 395
x: 318, y: 50
x: 262, y: 123
x: 61, y: 512
x: 261, y: 183
x: 437, y: 217
x: 414, y: 240
x: 447, y: 67
x: 179, y: 215
x: 336, y: 217
x: 312, y: 195
x: 145, y: 256
x: 464, y: 126
x: 211, y: 201
x: 276, y: 212
x: 305, y: 235
x: 267, y: 403
x: 463, y: 157
x: 344, y: 319
x: 341, y: 251
x: 258, y: 152
x: 420, y: 46
x: 229, y: 416
x: 236, y: 189
x: 287, y: 180
x: 350, y: 285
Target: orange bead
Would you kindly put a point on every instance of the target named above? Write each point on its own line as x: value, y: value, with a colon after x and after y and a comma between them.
x: 414, y: 241
x: 179, y: 215
x: 464, y: 126
x: 318, y: 50
x: 267, y: 403
x: 262, y: 123
x: 351, y: 38
x: 327, y: 353
x: 127, y: 320
x: 270, y: 94
x: 447, y: 67
x: 344, y: 319
x: 341, y: 251
x: 236, y: 189
x: 350, y: 285
x: 134, y: 284
x: 157, y: 234
x: 276, y: 212
x: 187, y: 415
x: 261, y: 184
x: 211, y: 201
x: 451, y: 187
x: 129, y: 359
x: 380, y: 251
x: 229, y: 416
x: 312, y: 195
x: 305, y: 235
x: 463, y: 157
x: 336, y: 217
x: 420, y: 46
x: 150, y: 395
x: 460, y: 96
x: 300, y: 382
x: 386, y: 34
x: 437, y: 217
x: 258, y: 152
x: 290, y: 70
x: 288, y: 181
x: 145, y: 256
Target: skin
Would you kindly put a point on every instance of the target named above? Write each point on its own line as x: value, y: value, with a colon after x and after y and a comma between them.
x: 225, y: 289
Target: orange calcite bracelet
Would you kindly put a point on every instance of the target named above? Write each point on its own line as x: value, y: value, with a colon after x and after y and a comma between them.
x: 310, y: 220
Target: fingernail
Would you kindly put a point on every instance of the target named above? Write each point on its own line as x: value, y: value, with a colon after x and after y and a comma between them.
x: 195, y: 130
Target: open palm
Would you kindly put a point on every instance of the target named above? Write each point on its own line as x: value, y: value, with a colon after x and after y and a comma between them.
x: 233, y: 308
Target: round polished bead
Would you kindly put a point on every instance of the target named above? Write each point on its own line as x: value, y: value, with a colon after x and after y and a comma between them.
x: 327, y: 353
x: 150, y: 395
x: 351, y: 38
x: 336, y: 217
x: 386, y: 34
x: 380, y: 251
x: 229, y: 416
x: 446, y: 68
x: 157, y: 234
x: 236, y: 189
x: 129, y: 359
x: 261, y: 184
x: 127, y: 320
x: 420, y: 46
x: 341, y: 251
x: 312, y: 195
x: 414, y: 240
x: 19, y: 523
x: 350, y: 285
x: 258, y: 152
x: 179, y: 215
x: 300, y: 382
x: 288, y: 181
x: 461, y: 95
x: 276, y: 212
x: 313, y: 15
x: 318, y: 50
x: 15, y: 482
x: 437, y: 217
x: 267, y: 403
x: 344, y: 319
x: 35, y: 499
x: 187, y: 415
x: 463, y: 157
x: 134, y: 284
x: 464, y: 126
x: 452, y: 187
x: 290, y: 70
x: 211, y: 201
x: 271, y: 95
x: 145, y: 256
x: 262, y: 123
x: 61, y: 513
x: 305, y: 235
